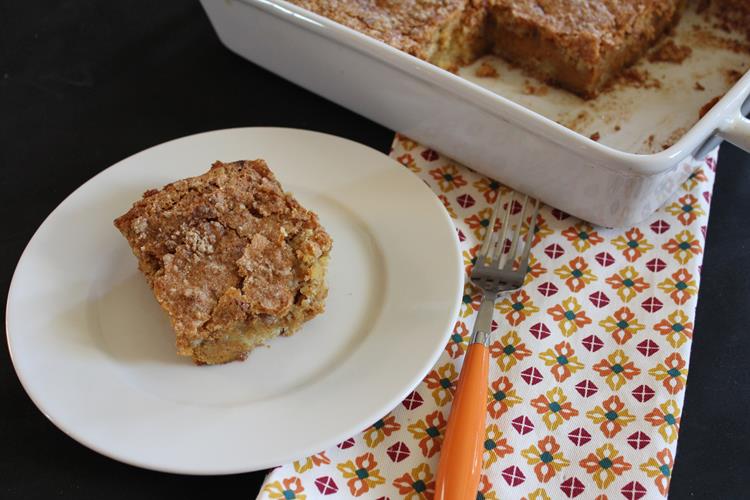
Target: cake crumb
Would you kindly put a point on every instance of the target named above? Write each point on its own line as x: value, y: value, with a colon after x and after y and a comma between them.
x: 595, y: 136
x: 486, y: 70
x: 707, y: 107
x: 670, y: 52
x: 731, y: 76
x: 617, y: 128
x: 698, y: 86
x: 531, y: 89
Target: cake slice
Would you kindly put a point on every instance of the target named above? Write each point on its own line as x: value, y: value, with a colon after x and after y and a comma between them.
x: 578, y: 44
x: 447, y: 33
x: 231, y: 258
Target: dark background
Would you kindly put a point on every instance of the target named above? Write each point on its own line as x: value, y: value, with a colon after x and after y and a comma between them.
x: 84, y: 84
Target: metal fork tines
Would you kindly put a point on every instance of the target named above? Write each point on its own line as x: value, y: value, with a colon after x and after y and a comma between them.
x: 497, y: 268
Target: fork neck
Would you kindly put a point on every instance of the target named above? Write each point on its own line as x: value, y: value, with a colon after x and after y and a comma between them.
x: 482, y: 325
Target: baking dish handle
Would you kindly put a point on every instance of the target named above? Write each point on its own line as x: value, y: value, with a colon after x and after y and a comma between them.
x: 737, y: 131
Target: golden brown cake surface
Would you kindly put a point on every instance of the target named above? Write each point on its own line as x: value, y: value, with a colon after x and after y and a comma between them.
x: 231, y: 258
x: 578, y: 44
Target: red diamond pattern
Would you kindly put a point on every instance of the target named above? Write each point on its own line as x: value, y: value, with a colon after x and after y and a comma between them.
x: 522, y: 425
x: 326, y: 485
x: 652, y: 304
x: 412, y: 401
x: 604, y: 259
x: 638, y: 440
x: 465, y: 201
x: 559, y: 214
x: 532, y: 376
x: 660, y: 226
x: 586, y: 388
x: 513, y: 475
x: 346, y: 444
x: 398, y: 451
x: 648, y: 347
x: 461, y: 236
x: 430, y: 155
x: 554, y: 251
x: 540, y: 331
x: 547, y: 289
x: 592, y: 343
x: 493, y: 326
x: 599, y: 299
x: 572, y: 487
x: 643, y: 393
x: 633, y: 490
x: 579, y: 436
x: 655, y: 265
x: 707, y: 196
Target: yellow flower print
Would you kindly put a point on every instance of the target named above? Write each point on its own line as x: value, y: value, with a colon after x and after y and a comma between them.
x: 546, y: 458
x: 495, y: 445
x: 517, y: 307
x: 289, y: 488
x: 362, y: 474
x: 419, y: 484
x: 442, y: 382
x: 605, y: 465
x: 582, y: 236
x: 509, y: 350
x: 562, y: 360
x: 377, y: 432
x: 676, y: 328
x: 660, y: 470
x: 627, y: 283
x: 666, y: 417
x: 312, y: 461
x: 611, y: 416
x: 680, y: 286
x: 632, y: 244
x: 683, y: 247
x: 576, y: 274
x: 569, y: 316
x: 623, y: 324
x: 554, y: 408
x: 617, y: 369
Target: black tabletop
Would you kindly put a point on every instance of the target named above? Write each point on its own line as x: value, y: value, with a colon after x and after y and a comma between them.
x: 84, y: 84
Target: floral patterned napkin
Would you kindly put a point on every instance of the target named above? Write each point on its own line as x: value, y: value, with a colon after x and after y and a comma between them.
x: 589, y: 360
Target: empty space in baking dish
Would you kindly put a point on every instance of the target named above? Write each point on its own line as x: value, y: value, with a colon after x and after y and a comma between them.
x: 652, y: 105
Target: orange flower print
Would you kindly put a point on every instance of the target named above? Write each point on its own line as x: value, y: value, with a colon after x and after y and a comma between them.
x: 605, y: 465
x: 485, y: 491
x: 569, y: 316
x: 683, y: 247
x: 406, y: 142
x: 672, y: 373
x: 448, y: 207
x: 666, y: 418
x: 660, y: 470
x: 509, y: 350
x: 288, y: 488
x: 686, y: 209
x: 500, y: 397
x: 576, y: 274
x: 632, y: 244
x: 546, y: 458
x: 442, y: 382
x: 627, y: 283
x: 554, y: 408
x: 517, y: 307
x: 470, y: 258
x: 458, y: 341
x: 616, y: 369
x: 541, y: 229
x: 680, y: 286
x: 479, y: 222
x: 676, y: 328
x: 537, y: 494
x: 429, y: 432
x: 611, y: 416
x: 377, y: 432
x: 562, y: 361
x: 407, y: 160
x: 362, y: 474
x: 312, y: 461
x: 694, y: 179
x: 489, y: 189
x: 534, y: 270
x: 582, y: 236
x: 448, y: 178
x: 495, y: 446
x: 471, y: 300
x: 623, y: 324
x: 419, y: 484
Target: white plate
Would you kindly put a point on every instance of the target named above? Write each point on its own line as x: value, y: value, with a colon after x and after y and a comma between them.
x: 96, y: 354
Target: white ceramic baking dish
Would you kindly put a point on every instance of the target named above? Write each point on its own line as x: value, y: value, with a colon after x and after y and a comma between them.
x: 469, y: 123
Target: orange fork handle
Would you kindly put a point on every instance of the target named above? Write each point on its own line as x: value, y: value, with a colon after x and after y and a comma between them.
x: 461, y: 454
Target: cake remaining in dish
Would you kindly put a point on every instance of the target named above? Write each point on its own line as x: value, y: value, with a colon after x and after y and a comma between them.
x: 231, y: 258
x: 577, y: 44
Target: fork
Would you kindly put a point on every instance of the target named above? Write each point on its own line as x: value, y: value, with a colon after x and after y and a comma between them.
x: 496, y: 271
